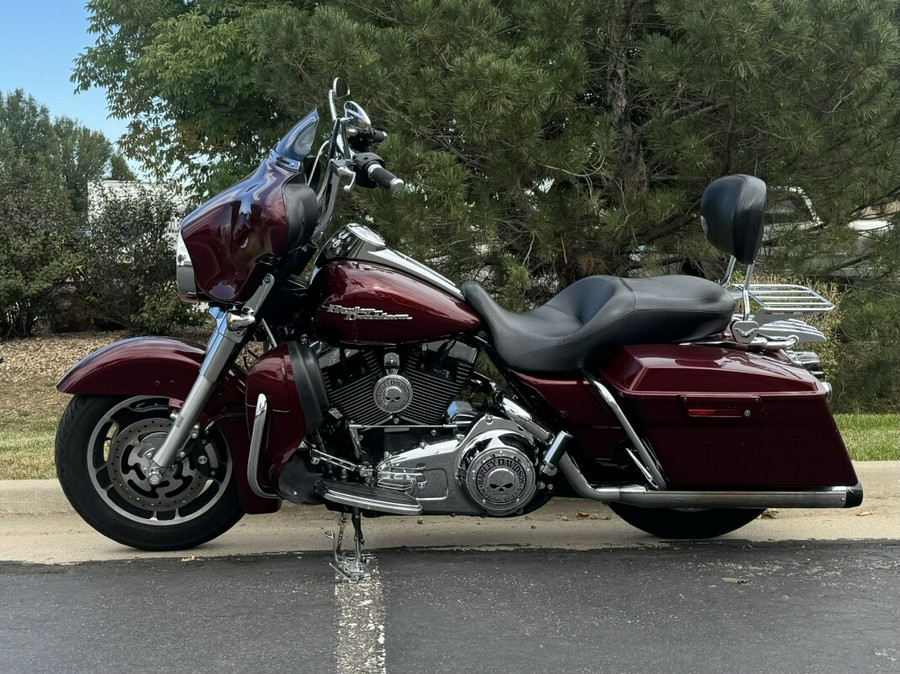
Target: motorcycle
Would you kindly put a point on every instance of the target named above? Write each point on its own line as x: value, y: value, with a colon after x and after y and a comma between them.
x: 682, y: 403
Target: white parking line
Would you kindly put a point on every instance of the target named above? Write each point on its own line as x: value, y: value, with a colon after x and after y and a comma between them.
x: 359, y: 648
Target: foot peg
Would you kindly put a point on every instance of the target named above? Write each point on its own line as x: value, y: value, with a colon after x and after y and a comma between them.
x: 364, y: 497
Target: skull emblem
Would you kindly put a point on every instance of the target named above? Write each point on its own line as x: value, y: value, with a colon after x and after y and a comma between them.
x: 501, y: 480
x: 393, y: 393
x: 393, y: 396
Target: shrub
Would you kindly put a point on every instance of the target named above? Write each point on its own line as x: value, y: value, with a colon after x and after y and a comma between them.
x: 867, y: 350
x: 128, y: 276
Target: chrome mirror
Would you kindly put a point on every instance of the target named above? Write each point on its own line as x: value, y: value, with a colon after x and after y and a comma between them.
x: 357, y: 117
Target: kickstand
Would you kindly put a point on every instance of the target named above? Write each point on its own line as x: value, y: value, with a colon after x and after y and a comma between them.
x: 351, y: 566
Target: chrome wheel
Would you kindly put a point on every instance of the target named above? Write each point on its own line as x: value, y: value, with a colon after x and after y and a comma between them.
x: 104, y: 445
x: 121, y: 447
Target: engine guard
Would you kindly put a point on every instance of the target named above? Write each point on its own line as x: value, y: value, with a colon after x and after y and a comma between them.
x: 168, y: 368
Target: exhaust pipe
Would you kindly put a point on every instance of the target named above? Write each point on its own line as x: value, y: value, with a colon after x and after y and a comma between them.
x: 641, y: 496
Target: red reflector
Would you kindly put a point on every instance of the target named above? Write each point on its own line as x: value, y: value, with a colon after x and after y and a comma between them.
x: 729, y: 412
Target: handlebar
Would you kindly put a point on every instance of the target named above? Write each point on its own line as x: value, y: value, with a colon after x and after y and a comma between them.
x: 351, y: 136
x: 370, y: 172
x: 385, y: 178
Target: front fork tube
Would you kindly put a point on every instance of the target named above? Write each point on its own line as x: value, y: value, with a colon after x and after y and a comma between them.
x: 226, y: 341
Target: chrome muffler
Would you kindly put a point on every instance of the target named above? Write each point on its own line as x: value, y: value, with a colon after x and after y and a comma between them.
x: 645, y: 497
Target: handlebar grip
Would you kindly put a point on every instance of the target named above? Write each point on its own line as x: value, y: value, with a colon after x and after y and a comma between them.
x: 378, y: 135
x: 385, y: 178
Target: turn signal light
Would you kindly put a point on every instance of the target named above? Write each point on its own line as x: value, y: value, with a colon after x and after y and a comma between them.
x: 726, y: 412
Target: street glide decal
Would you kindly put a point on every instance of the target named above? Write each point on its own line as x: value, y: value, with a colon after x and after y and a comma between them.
x: 365, y: 314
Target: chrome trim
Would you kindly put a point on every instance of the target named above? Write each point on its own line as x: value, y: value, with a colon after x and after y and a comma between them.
x: 184, y: 270
x: 524, y: 418
x: 782, y: 328
x: 729, y: 271
x: 639, y: 495
x: 404, y: 263
x: 641, y: 467
x: 745, y: 293
x: 650, y: 467
x: 269, y: 335
x: 281, y: 160
x: 783, y: 298
x: 358, y: 242
x: 553, y: 454
x: 222, y: 346
x: 259, y: 426
x: 372, y: 504
x: 318, y: 455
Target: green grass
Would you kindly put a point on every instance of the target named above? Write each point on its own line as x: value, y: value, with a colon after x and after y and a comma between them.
x: 26, y: 446
x: 871, y: 437
x: 26, y: 441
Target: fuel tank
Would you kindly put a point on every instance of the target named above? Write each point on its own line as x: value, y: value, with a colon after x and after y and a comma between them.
x: 365, y: 304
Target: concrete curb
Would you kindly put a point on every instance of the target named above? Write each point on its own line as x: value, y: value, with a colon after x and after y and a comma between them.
x: 880, y: 480
x: 37, y: 525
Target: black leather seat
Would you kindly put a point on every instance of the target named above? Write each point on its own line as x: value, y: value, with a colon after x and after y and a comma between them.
x: 592, y: 316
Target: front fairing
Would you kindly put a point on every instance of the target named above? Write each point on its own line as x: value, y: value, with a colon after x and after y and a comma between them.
x: 232, y: 237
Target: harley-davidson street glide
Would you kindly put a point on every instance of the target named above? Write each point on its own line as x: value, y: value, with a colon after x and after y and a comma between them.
x: 682, y: 403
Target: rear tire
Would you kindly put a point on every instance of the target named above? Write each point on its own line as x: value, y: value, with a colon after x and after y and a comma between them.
x: 101, y: 459
x: 676, y: 523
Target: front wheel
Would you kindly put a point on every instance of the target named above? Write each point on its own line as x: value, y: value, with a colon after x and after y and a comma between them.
x: 104, y: 446
x: 678, y: 523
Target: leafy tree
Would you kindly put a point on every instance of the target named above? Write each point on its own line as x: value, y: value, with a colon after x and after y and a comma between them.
x: 119, y: 169
x: 868, y: 349
x: 544, y: 140
x: 37, y: 228
x: 83, y: 155
x: 44, y: 168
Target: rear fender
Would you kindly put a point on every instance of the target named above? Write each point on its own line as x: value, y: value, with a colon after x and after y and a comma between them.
x: 167, y: 367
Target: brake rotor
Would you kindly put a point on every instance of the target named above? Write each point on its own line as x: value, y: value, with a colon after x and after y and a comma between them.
x: 130, y: 454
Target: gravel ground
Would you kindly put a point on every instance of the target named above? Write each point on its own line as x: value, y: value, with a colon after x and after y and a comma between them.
x: 30, y: 405
x: 31, y: 368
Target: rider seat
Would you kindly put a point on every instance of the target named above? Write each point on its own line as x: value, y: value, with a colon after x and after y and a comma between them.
x: 598, y: 314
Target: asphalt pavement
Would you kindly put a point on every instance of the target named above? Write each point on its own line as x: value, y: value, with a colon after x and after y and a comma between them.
x: 712, y: 607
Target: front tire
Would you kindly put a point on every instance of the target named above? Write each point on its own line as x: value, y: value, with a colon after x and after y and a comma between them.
x: 676, y: 523
x: 103, y: 447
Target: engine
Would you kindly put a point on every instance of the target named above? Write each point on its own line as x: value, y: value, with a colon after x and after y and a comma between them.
x: 421, y: 440
x: 490, y: 471
x: 414, y: 385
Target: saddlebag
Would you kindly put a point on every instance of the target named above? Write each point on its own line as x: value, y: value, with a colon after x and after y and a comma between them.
x: 719, y: 417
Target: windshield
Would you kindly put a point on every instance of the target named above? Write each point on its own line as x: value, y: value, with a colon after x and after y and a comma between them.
x: 297, y: 143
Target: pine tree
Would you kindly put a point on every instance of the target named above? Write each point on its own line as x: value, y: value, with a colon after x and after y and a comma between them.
x: 543, y: 140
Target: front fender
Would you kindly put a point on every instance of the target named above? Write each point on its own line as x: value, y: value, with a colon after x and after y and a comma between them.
x: 168, y: 367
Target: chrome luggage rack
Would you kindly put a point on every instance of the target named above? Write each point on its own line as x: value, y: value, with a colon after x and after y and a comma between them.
x: 776, y: 322
x: 786, y: 298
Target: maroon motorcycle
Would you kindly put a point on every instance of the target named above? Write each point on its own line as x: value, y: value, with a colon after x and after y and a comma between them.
x: 680, y: 402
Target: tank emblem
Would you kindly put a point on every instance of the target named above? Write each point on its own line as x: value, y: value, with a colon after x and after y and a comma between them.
x: 393, y: 393
x: 365, y: 314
